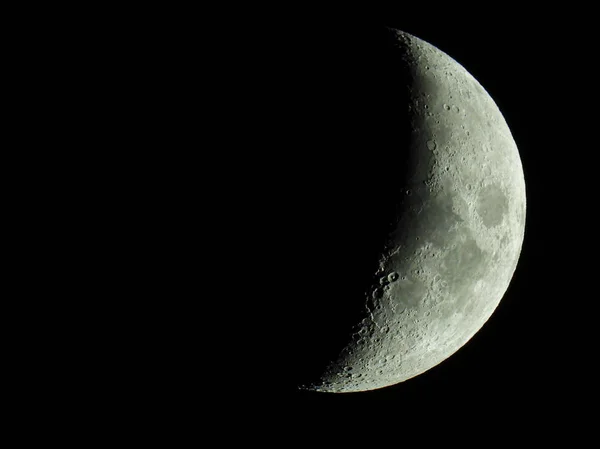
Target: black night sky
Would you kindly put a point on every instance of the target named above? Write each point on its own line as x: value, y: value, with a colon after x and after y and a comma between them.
x: 282, y: 216
x: 243, y: 179
x: 527, y: 357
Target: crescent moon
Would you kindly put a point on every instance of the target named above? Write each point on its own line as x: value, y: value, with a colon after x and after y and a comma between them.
x: 449, y: 259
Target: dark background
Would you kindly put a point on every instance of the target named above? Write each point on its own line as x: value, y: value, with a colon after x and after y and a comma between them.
x: 533, y: 357
x: 232, y: 186
x: 209, y: 218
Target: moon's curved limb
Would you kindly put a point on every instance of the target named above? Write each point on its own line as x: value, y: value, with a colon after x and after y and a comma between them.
x: 460, y: 230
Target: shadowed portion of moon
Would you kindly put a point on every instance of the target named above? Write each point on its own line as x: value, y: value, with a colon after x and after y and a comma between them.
x: 348, y: 139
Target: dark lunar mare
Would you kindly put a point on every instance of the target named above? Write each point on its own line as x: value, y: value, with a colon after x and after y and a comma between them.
x: 340, y: 138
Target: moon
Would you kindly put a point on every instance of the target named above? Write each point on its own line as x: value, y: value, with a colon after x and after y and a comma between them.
x: 449, y: 258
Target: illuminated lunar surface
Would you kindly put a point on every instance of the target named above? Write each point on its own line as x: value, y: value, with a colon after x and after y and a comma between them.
x: 449, y: 261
